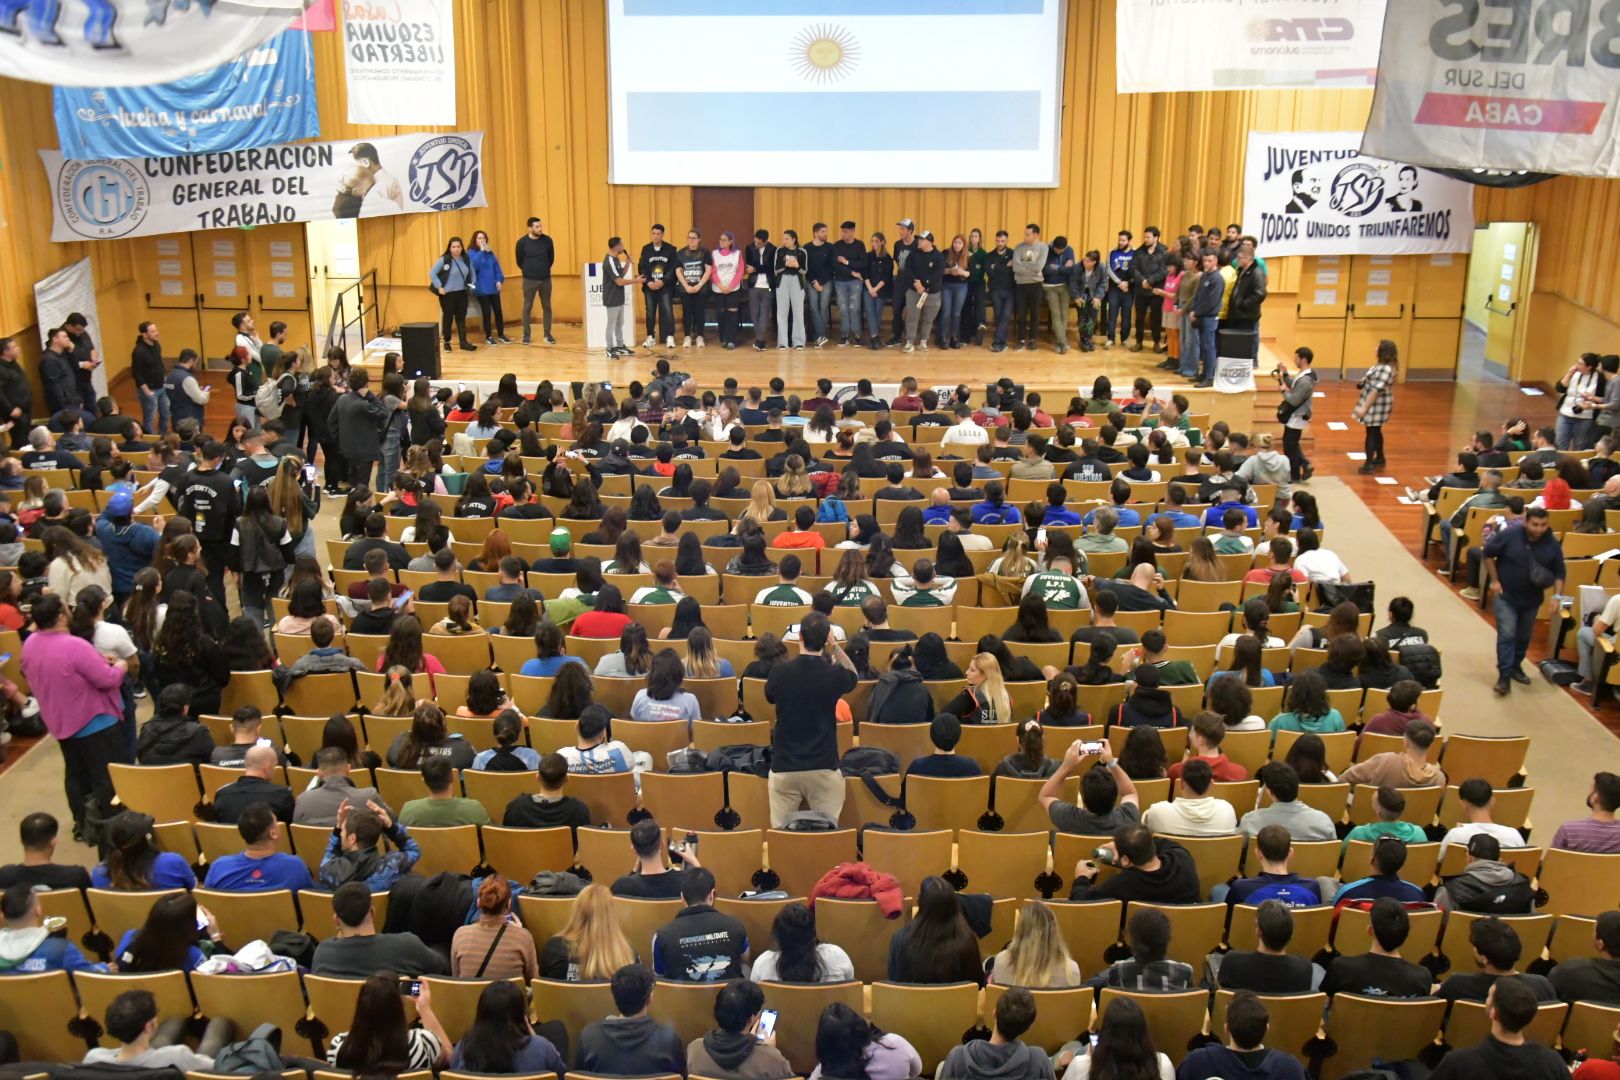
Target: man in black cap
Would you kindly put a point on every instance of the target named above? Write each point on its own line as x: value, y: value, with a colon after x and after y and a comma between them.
x: 849, y: 271
x: 925, y: 270
x: 903, y: 247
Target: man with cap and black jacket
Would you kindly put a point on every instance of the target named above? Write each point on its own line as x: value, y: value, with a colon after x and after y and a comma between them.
x: 209, y: 499
x: 630, y: 1043
x: 700, y: 944
x: 925, y: 271
x: 849, y: 269
x: 904, y: 245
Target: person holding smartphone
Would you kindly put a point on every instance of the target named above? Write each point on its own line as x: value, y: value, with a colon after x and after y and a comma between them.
x: 742, y: 1045
x: 1108, y: 798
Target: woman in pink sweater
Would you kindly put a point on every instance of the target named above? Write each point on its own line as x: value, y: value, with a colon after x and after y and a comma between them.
x: 81, y: 705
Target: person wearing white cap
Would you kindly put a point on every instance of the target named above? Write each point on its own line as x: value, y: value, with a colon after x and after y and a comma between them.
x: 903, y: 248
x: 925, y: 272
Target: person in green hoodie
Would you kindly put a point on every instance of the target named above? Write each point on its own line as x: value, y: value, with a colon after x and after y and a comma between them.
x: 1309, y: 709
x: 1389, y: 804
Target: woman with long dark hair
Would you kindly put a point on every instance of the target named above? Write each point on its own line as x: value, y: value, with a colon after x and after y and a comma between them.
x: 522, y: 617
x: 1124, y: 1049
x: 908, y: 531
x: 264, y: 546
x: 570, y: 695
x: 937, y: 946
x: 605, y: 619
x: 488, y: 278
x: 379, y: 1042
x: 1031, y: 625
x: 848, y: 1047
x: 339, y: 732
x: 952, y: 559
x: 798, y: 956
x: 405, y: 649
x: 931, y: 659
x: 688, y: 617
x: 134, y: 861
x: 451, y: 276
x: 185, y: 653
x: 633, y: 658
x: 167, y: 941
x: 689, y: 561
x: 428, y: 737
x: 644, y: 504
x: 500, y: 1040
x: 1029, y: 761
x: 663, y: 698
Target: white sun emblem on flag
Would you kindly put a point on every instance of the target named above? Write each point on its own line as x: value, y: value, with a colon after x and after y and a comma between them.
x: 825, y: 53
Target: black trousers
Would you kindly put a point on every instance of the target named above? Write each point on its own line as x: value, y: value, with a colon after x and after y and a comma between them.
x: 727, y: 303
x: 692, y: 314
x: 1374, y: 444
x: 1149, y: 307
x: 453, y: 308
x: 660, y: 307
x: 1297, y: 461
x: 489, y: 309
x: 1027, y: 301
x: 218, y: 555
x: 85, y: 773
x: 360, y: 471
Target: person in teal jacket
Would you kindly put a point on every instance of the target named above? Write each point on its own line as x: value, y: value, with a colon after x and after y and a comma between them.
x: 1308, y: 707
x: 488, y: 278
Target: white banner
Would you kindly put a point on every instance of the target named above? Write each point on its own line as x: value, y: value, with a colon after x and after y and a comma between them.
x: 1489, y: 86
x: 400, y: 62
x: 1314, y: 193
x: 132, y: 42
x: 1246, y: 44
x: 69, y: 290
x: 1234, y: 375
x: 403, y: 174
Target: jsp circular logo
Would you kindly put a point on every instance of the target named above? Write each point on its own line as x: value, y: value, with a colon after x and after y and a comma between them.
x: 444, y: 173
x: 1357, y: 189
x: 102, y: 199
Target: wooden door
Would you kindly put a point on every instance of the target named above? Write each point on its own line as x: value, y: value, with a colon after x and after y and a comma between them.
x: 1379, y: 309
x: 1324, y: 302
x: 167, y: 274
x: 278, y: 273
x: 1439, y: 285
x: 1507, y: 297
x: 717, y: 209
x: 222, y: 284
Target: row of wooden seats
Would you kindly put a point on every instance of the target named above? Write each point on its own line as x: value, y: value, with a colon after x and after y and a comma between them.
x: 933, y: 1018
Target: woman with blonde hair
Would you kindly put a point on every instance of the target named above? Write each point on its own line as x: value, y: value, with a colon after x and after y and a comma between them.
x: 1015, y: 560
x: 289, y: 502
x: 701, y: 660
x: 762, y: 505
x: 398, y: 697
x: 75, y: 564
x: 984, y: 700
x: 1202, y: 565
x: 591, y: 947
x: 795, y: 480
x: 1036, y: 958
x: 419, y: 463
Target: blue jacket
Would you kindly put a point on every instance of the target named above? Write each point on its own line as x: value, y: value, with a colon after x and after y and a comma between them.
x: 486, y: 272
x: 240, y: 873
x: 128, y: 548
x: 1206, y: 302
x: 1181, y: 518
x: 1379, y: 886
x: 938, y: 515
x: 1060, y: 515
x: 1214, y: 515
x: 34, y: 951
x: 382, y: 869
x: 452, y: 274
x: 989, y: 513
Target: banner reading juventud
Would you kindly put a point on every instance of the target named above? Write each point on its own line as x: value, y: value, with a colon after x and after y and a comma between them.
x: 1500, y: 86
x: 1170, y: 45
x: 1315, y: 193
x: 106, y: 198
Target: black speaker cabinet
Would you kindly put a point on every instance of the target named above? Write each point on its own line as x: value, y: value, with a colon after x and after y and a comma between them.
x: 419, y: 349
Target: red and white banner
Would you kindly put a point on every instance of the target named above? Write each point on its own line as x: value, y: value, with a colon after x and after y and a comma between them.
x: 1528, y: 86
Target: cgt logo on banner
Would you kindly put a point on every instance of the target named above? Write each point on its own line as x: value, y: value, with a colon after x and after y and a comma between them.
x: 1526, y: 85
x: 266, y: 96
x: 1247, y: 44
x: 405, y: 174
x: 100, y: 43
x: 1315, y: 193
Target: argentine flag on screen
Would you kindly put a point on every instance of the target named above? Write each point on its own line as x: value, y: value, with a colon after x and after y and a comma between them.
x: 836, y: 93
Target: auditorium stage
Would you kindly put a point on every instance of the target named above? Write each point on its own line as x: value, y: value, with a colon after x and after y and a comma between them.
x: 1057, y: 377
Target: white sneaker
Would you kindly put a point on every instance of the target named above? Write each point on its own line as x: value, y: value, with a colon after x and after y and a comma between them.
x: 912, y: 348
x: 649, y: 343
x: 686, y: 342
x: 700, y: 341
x: 30, y: 708
x: 925, y: 346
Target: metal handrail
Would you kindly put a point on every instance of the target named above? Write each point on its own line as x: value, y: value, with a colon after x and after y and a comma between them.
x: 337, y: 330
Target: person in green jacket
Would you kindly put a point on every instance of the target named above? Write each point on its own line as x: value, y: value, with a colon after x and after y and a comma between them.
x: 1309, y: 710
x: 1390, y: 804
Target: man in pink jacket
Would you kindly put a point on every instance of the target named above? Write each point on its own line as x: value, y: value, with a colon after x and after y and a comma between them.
x: 80, y: 703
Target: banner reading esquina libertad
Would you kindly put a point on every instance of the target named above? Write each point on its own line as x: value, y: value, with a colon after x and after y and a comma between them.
x: 106, y: 198
x: 1315, y: 193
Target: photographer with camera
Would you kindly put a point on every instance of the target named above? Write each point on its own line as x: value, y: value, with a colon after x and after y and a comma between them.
x: 1108, y: 798
x: 1294, y: 411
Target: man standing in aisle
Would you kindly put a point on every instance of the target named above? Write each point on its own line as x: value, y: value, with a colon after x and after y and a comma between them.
x: 1298, y: 392
x: 656, y: 271
x: 146, y: 366
x: 849, y: 271
x: 926, y: 268
x: 760, y: 277
x: 210, y: 501
x: 820, y: 274
x: 535, y: 254
x: 998, y: 272
x: 1117, y: 308
x: 86, y: 358
x: 903, y: 247
x: 693, y: 270
x: 804, y: 743
x: 1150, y: 265
x: 1523, y: 560
x: 1028, y: 266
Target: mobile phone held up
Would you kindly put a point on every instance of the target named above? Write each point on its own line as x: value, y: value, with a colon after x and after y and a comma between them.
x: 410, y: 987
x: 679, y: 848
x: 767, y: 1024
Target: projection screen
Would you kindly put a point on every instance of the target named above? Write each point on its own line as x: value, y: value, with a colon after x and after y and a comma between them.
x: 836, y: 93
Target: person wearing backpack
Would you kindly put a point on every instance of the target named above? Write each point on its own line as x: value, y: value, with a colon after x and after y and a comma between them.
x: 1489, y: 886
x: 264, y: 545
